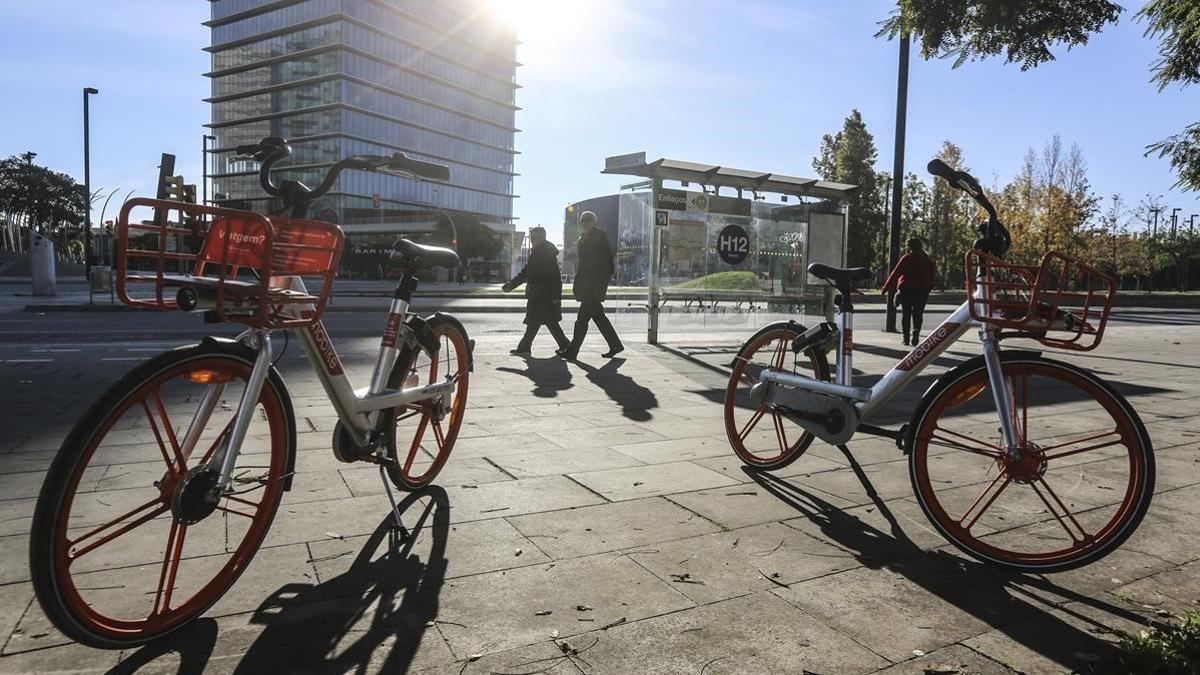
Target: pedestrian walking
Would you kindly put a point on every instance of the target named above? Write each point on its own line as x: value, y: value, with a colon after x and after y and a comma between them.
x: 543, y: 292
x: 593, y: 272
x: 912, y: 278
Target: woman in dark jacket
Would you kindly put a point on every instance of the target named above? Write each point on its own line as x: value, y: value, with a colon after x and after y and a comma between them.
x: 543, y: 292
x: 593, y: 272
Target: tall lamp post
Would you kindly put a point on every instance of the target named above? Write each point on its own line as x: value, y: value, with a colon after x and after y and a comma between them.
x: 87, y: 186
x: 204, y: 161
x: 897, y: 176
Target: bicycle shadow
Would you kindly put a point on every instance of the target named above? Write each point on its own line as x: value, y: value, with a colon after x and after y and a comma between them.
x: 1002, y: 600
x: 370, y: 618
x: 636, y: 401
x: 549, y: 376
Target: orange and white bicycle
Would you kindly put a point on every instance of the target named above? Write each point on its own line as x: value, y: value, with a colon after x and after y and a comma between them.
x: 1018, y: 460
x: 163, y: 492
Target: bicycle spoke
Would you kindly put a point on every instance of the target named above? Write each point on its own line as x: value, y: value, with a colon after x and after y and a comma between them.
x: 988, y: 503
x: 1076, y: 451
x: 175, y: 465
x: 780, y: 354
x: 239, y: 500
x: 73, y: 554
x: 780, y: 434
x: 170, y: 566
x: 236, y: 512
x: 416, y: 445
x: 753, y: 420
x: 438, y: 436
x: 212, y: 449
x: 1065, y: 511
x: 980, y: 447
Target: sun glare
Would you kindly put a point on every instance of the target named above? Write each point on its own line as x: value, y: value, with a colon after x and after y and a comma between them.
x: 536, y: 21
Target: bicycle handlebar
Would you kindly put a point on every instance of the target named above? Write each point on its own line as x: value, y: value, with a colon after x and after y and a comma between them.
x: 996, y: 238
x: 270, y: 150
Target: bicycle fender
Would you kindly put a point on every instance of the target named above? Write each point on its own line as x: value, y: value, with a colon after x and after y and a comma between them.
x: 939, y: 385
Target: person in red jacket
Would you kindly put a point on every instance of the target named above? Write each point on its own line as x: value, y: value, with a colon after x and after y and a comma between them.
x: 913, y: 278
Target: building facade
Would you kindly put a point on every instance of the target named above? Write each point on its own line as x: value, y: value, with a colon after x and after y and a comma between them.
x: 432, y: 78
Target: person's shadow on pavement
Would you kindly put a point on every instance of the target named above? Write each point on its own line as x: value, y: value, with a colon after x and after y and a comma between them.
x: 635, y: 400
x: 549, y: 376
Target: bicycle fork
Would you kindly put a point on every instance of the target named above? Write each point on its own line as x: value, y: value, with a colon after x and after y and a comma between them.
x: 1002, y: 393
x: 227, y: 454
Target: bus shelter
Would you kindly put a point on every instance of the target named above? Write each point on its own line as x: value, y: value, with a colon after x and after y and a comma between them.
x: 719, y: 248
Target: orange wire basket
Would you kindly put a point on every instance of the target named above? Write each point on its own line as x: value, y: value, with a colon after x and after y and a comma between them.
x: 1062, y: 303
x: 235, y: 263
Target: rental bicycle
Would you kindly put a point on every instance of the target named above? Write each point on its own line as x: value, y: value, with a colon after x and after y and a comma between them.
x: 164, y: 490
x: 1018, y: 460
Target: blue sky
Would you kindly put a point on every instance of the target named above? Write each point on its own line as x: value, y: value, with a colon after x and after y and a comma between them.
x: 752, y: 87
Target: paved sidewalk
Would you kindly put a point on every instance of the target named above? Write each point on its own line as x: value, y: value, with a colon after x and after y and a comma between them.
x: 597, y: 508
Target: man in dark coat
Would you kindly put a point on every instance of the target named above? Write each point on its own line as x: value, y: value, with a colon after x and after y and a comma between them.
x: 594, y: 270
x: 543, y: 292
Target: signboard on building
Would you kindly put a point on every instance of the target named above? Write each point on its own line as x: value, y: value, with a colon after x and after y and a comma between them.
x: 662, y: 219
x: 729, y: 205
x: 624, y: 161
x: 733, y: 244
x: 671, y: 200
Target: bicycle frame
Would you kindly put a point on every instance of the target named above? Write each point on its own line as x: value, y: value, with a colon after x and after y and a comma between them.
x: 869, y: 401
x: 356, y: 408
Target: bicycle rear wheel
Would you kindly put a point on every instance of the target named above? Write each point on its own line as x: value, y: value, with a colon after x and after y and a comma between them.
x: 421, y: 435
x: 1082, y: 483
x: 762, y: 438
x: 124, y: 549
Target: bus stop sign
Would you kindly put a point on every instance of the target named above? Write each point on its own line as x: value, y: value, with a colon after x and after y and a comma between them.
x: 733, y: 244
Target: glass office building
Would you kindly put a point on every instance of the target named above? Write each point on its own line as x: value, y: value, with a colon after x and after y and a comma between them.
x: 432, y: 78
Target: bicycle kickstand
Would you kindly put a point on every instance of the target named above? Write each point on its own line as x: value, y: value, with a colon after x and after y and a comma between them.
x: 387, y: 488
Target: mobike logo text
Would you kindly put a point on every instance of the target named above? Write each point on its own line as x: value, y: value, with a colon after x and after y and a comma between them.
x: 328, y: 356
x: 392, y: 330
x: 925, y: 348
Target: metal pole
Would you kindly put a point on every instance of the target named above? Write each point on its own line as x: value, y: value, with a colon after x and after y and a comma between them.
x: 655, y: 269
x: 87, y: 187
x: 897, y: 175
x: 204, y: 163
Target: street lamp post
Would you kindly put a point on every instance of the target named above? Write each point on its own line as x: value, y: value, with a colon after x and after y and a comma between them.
x: 204, y: 162
x: 897, y: 175
x: 87, y: 186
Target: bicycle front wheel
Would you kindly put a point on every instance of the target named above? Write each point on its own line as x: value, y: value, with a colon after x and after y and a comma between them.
x: 420, y: 435
x: 1078, y: 488
x: 124, y: 547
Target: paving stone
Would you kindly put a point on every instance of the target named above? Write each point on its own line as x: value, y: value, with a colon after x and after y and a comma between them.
x: 21, y: 485
x: 514, y: 498
x: 926, y: 607
x: 610, y: 527
x: 753, y: 504
x: 456, y: 471
x: 562, y: 462
x: 1066, y: 640
x: 607, y: 437
x: 754, y: 634
x: 952, y: 660
x: 448, y: 550
x: 67, y: 658
x: 725, y: 565
x: 675, y: 450
x: 545, y: 655
x: 14, y: 601
x: 656, y: 479
x: 870, y: 533
x: 14, y: 558
x: 1175, y: 591
x: 500, y: 610
x: 528, y: 425
x: 730, y: 465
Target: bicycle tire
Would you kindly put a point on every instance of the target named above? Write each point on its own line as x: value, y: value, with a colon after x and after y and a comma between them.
x: 781, y: 334
x: 452, y: 337
x: 55, y: 588
x: 968, y: 381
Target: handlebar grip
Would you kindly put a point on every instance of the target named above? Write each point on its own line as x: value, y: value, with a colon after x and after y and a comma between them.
x: 942, y: 170
x: 417, y: 167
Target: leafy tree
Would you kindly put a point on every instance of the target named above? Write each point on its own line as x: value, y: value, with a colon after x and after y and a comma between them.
x: 1025, y: 32
x: 49, y: 202
x: 849, y: 156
